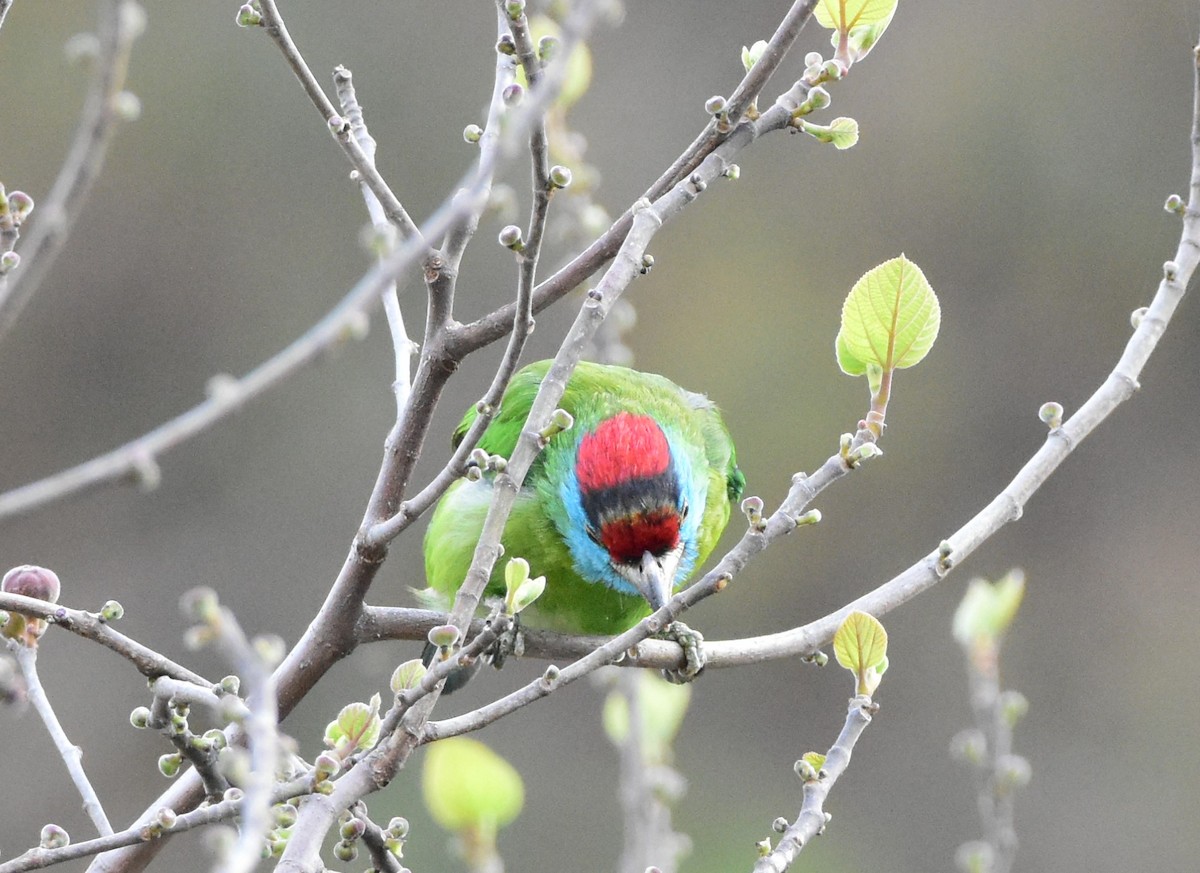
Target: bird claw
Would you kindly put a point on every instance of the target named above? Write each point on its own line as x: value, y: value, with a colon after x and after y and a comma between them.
x: 511, y: 643
x: 694, y: 659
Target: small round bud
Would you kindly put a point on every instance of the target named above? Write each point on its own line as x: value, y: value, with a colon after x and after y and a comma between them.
x: 550, y: 676
x: 127, y: 106
x: 714, y: 105
x: 472, y: 133
x: 733, y: 172
x: 271, y: 648
x: 248, y: 16
x: 233, y: 795
x: 169, y: 765
x: 338, y: 125
x: 9, y: 261
x: 1170, y: 270
x: 812, y: 59
x: 1051, y: 413
x: 560, y: 176
x: 763, y: 847
x: 112, y: 611
x: 398, y: 827
x: 54, y: 837
x: 231, y: 684
x: 352, y: 829
x: 506, y: 46
x: 20, y: 205
x: 140, y: 717
x: 1013, y: 771
x: 1175, y: 204
x: 512, y: 94
x: 166, y: 818
x: 29, y: 580
x: 561, y: 420
x: 548, y: 47
x: 285, y: 814
x: 779, y: 825
x: 1013, y: 707
x: 976, y: 856
x: 326, y: 767
x: 514, y: 8
x: 443, y: 636
x: 474, y: 474
x: 806, y: 771
x: 200, y: 603
x: 345, y: 851
x: 510, y: 237
x: 818, y: 98
x: 969, y: 745
x: 1135, y: 317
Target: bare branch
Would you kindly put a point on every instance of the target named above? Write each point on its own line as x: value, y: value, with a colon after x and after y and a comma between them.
x: 121, y: 22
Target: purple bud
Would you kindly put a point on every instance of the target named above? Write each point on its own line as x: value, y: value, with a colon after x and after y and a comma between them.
x: 30, y: 581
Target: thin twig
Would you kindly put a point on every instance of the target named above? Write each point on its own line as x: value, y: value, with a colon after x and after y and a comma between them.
x: 90, y: 626
x: 5, y: 5
x: 402, y: 346
x: 812, y: 818
x: 121, y: 22
x: 70, y: 753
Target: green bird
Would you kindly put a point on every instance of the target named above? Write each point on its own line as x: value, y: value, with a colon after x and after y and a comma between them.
x: 616, y: 512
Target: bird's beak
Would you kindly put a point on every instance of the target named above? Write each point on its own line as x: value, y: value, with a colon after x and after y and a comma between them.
x: 657, y: 577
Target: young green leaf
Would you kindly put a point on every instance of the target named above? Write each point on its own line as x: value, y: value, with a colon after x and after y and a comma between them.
x: 988, y: 608
x: 469, y: 789
x: 861, y: 22
x: 860, y: 645
x: 356, y: 727
x: 662, y: 706
x: 890, y: 319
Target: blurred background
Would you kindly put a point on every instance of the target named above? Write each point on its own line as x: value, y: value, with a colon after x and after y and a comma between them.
x: 1019, y: 152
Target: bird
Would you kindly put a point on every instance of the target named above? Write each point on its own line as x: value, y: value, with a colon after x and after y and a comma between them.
x: 616, y: 511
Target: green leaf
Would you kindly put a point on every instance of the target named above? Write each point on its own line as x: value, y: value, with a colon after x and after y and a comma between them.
x: 860, y: 645
x: 843, y: 133
x: 469, y: 788
x: 407, y: 675
x: 356, y: 727
x: 752, y: 55
x: 862, y: 22
x: 890, y: 319
x: 814, y: 759
x: 988, y: 609
x: 662, y: 706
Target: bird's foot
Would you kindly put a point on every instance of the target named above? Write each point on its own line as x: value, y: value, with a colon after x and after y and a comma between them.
x: 694, y: 659
x: 510, y: 643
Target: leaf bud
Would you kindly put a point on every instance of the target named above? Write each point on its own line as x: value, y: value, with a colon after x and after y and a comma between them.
x: 166, y: 818
x: 352, y: 828
x: 506, y: 45
x: 1013, y: 707
x: 733, y: 172
x: 1175, y: 204
x: 407, y: 675
x: 271, y: 648
x: 1013, y: 771
x: 975, y: 856
x: 550, y: 676
x: 54, y: 837
x: 82, y: 47
x: 443, y: 636
x: 813, y: 516
x: 548, y: 47
x: 140, y: 717
x: 752, y: 507
x: 200, y: 603
x: 9, y: 261
x: 806, y: 771
x: 248, y: 16
x: 779, y: 825
x: 560, y: 420
x: 112, y: 611
x: 514, y: 8
x: 1135, y: 317
x: 20, y: 205
x: 1051, y: 414
x: 326, y: 767
x: 127, y: 106
x: 30, y: 580
x: 512, y: 94
x: 345, y: 851
x: 560, y: 176
x: 753, y: 54
x: 1170, y: 270
x: 231, y: 684
x: 474, y: 474
x: 398, y: 827
x: 169, y: 764
x: 233, y: 794
x: 970, y: 746
x: 510, y: 238
x: 285, y: 814
x: 472, y: 133
x: 714, y: 105
x: 763, y: 847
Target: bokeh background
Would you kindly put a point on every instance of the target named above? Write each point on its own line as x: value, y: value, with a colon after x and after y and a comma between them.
x: 1020, y: 152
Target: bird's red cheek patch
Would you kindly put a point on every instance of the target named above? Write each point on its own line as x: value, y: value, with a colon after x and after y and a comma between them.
x: 622, y: 448
x: 627, y: 539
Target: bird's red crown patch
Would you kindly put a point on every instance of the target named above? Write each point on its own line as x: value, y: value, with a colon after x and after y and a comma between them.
x: 621, y: 448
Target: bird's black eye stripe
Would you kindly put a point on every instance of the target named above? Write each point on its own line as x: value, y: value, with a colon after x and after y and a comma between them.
x: 593, y: 535
x: 683, y: 510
